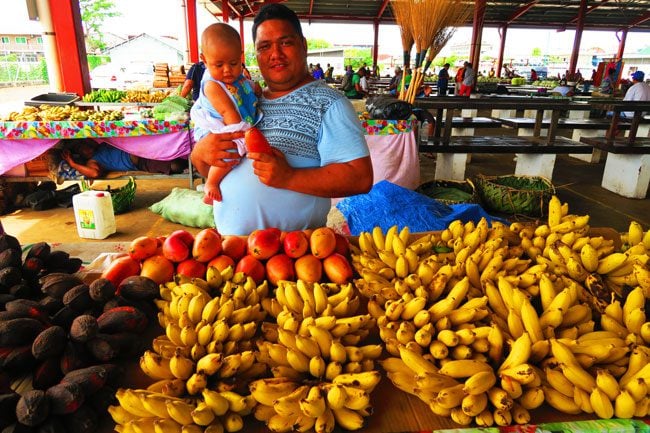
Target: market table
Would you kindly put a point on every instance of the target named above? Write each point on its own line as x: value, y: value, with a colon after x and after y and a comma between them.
x: 394, y: 151
x: 23, y: 141
x: 393, y: 409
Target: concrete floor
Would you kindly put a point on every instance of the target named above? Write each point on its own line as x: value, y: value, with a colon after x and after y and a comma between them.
x: 577, y: 183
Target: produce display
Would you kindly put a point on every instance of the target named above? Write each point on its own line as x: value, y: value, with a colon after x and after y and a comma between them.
x: 296, y: 329
x: 47, y: 113
x: 106, y: 95
x: 518, y: 81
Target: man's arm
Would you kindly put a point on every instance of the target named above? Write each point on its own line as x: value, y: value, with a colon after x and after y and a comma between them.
x: 91, y: 169
x: 215, y: 150
x: 187, y: 87
x: 333, y: 180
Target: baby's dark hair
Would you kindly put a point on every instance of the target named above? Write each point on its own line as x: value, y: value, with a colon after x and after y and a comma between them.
x: 276, y: 11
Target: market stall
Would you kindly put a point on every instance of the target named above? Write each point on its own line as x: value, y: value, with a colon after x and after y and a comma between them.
x: 23, y: 141
x: 394, y: 151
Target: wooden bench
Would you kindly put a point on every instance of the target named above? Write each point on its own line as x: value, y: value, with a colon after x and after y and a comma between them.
x: 506, y: 144
x: 535, y: 154
x: 563, y: 123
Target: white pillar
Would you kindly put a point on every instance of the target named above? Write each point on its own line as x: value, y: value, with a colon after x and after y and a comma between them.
x: 450, y: 166
x: 49, y: 45
x: 627, y: 175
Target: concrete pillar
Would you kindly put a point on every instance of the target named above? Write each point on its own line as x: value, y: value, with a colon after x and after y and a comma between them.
x: 451, y: 166
x: 596, y: 154
x: 627, y: 175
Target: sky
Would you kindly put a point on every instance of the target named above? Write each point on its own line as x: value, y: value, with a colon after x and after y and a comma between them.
x: 168, y: 20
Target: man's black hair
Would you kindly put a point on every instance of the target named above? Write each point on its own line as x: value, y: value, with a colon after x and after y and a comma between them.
x: 276, y: 11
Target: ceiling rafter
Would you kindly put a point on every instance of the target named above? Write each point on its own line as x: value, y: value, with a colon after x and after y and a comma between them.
x: 521, y: 11
x: 609, y: 15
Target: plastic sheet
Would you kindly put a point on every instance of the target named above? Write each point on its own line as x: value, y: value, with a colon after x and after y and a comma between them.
x: 388, y: 204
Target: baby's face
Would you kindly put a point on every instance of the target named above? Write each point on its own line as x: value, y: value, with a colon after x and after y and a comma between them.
x: 223, y: 62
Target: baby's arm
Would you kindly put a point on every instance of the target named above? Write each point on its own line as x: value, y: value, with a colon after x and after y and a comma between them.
x: 221, y: 102
x: 213, y: 182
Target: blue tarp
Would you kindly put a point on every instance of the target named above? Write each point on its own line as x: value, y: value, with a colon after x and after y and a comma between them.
x: 388, y: 204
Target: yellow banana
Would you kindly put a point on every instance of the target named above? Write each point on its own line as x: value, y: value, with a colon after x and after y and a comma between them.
x: 266, y: 391
x: 601, y: 404
x: 180, y: 411
x: 560, y: 401
x: 500, y: 398
x: 348, y: 419
x: 366, y: 380
x: 480, y: 382
x: 215, y: 401
x: 519, y: 352
x: 463, y: 368
x: 532, y: 398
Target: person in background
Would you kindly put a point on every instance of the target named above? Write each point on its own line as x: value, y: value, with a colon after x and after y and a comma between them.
x: 491, y: 73
x: 563, y: 89
x: 346, y: 81
x: 443, y: 80
x: 363, y: 83
x: 94, y: 160
x: 639, y: 91
x: 245, y: 71
x: 329, y: 73
x: 608, y: 83
x: 227, y: 101
x: 468, y: 80
x: 318, y: 72
x: 458, y: 79
x: 193, y: 80
x: 533, y: 75
x: 394, y: 81
x: 318, y: 148
x: 355, y: 91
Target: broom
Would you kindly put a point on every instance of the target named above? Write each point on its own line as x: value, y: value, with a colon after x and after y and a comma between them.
x: 402, y: 13
x: 439, y: 41
x: 426, y: 18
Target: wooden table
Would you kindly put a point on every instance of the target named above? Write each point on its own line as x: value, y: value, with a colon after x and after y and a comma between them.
x: 440, y: 104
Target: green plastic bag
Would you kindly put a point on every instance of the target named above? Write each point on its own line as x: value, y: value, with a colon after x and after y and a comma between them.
x: 185, y: 206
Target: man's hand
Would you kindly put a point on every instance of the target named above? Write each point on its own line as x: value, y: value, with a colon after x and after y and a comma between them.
x: 217, y: 150
x: 65, y: 154
x: 271, y: 169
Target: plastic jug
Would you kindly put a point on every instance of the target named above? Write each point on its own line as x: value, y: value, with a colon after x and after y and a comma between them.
x: 93, y: 212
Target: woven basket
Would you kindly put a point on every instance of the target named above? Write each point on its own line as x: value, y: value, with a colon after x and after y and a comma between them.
x: 449, y: 191
x: 527, y: 195
x: 122, y: 197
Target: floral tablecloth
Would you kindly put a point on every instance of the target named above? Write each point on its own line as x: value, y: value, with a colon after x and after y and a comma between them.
x: 387, y: 127
x: 22, y: 130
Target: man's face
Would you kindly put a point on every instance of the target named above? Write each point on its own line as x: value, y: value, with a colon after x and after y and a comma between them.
x: 281, y: 55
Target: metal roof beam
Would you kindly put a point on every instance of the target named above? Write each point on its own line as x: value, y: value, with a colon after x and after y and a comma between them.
x: 382, y: 8
x: 639, y: 21
x: 589, y: 9
x: 522, y: 10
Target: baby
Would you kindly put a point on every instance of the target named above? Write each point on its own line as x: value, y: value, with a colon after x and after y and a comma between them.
x: 227, y: 101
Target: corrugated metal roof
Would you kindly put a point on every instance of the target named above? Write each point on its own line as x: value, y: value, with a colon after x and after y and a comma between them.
x: 633, y: 15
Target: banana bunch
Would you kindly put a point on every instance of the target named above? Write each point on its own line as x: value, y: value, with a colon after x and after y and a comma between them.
x: 105, y: 115
x: 303, y: 299
x: 469, y: 390
x: 104, y: 95
x: 149, y: 411
x: 144, y: 96
x: 573, y: 389
x: 286, y: 405
x: 28, y: 113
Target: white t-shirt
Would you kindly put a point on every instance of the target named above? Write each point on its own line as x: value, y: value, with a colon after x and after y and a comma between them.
x: 638, y: 92
x: 363, y: 83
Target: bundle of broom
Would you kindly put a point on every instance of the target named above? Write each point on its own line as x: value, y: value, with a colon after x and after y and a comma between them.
x: 431, y: 26
x: 402, y: 13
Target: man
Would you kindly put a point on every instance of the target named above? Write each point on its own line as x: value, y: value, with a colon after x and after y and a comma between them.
x: 395, y: 80
x: 443, y: 80
x: 639, y: 91
x: 193, y: 81
x: 319, y: 150
x: 94, y: 160
x: 468, y: 80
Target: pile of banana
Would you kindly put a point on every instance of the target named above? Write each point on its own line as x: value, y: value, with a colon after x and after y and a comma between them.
x: 322, y: 374
x: 512, y: 317
x: 104, y: 95
x: 205, y: 360
x: 104, y: 115
x: 43, y: 112
x: 144, y: 96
